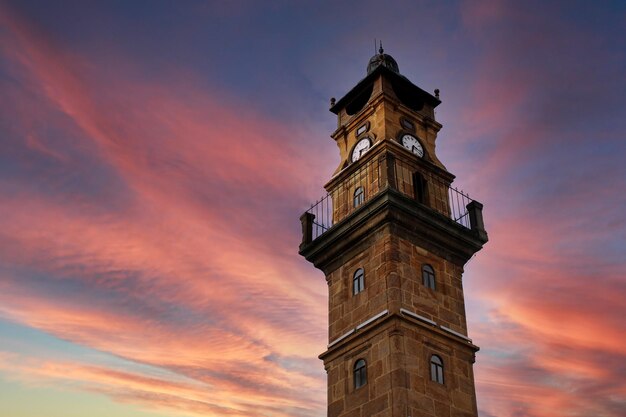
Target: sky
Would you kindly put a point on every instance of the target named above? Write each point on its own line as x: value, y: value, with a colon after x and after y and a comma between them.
x: 155, y: 157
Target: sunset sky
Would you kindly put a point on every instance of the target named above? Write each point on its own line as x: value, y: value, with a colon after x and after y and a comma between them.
x: 155, y: 157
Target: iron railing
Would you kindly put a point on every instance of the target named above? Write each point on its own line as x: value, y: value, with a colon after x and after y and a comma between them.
x: 358, y: 188
x: 435, y: 193
x: 431, y: 191
x: 322, y: 211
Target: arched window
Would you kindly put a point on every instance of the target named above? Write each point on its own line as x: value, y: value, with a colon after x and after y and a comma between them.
x: 436, y: 369
x: 359, y: 196
x: 428, y: 276
x: 360, y: 373
x: 358, y: 281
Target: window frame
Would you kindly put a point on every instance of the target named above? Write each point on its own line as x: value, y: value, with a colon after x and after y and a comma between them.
x: 359, y: 373
x: 358, y: 198
x: 358, y: 281
x: 420, y: 188
x: 437, y: 369
x: 429, y: 278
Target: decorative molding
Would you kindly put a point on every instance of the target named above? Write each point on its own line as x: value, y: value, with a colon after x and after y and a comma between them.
x: 444, y: 328
x: 340, y: 338
x: 429, y: 321
x: 417, y: 316
x: 377, y: 316
x: 359, y: 327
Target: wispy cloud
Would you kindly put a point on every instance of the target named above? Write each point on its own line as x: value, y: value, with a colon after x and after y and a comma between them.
x: 551, y: 278
x: 146, y: 216
x: 180, y: 266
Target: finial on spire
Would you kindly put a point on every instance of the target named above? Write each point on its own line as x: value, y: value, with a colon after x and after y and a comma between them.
x: 380, y: 58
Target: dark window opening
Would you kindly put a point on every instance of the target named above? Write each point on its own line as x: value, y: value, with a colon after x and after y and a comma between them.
x: 359, y: 196
x: 420, y: 188
x: 358, y: 281
x: 360, y: 373
x: 428, y: 276
x: 436, y: 369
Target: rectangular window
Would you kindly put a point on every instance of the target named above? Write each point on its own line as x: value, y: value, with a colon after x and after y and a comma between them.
x: 420, y: 188
x: 428, y: 277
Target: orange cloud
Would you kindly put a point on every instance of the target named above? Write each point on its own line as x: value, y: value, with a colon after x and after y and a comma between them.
x: 553, y: 338
x: 187, y: 262
x: 161, y: 392
x: 178, y: 276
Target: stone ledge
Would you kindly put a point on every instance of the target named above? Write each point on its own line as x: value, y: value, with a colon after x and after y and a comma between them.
x: 426, y: 226
x: 340, y: 346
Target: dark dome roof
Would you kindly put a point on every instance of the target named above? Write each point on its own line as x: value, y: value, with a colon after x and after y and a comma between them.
x: 382, y: 59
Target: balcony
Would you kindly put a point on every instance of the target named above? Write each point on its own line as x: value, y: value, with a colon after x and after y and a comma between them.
x: 352, y: 188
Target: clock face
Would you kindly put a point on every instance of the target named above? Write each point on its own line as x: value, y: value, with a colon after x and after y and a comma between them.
x: 360, y: 148
x: 411, y: 143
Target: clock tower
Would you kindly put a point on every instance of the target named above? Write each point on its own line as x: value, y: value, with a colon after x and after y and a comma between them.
x: 392, y: 237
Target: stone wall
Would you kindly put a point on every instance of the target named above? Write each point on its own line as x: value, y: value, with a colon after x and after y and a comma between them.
x: 398, y: 354
x: 393, y: 279
x: 445, y: 304
x: 347, y: 310
x: 396, y: 348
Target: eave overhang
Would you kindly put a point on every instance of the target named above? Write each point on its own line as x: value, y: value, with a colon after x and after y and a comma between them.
x: 400, y: 79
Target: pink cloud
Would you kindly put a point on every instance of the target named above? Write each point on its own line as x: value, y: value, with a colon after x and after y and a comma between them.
x: 199, y: 236
x: 551, y: 277
x: 186, y: 238
x: 153, y: 392
x: 555, y: 328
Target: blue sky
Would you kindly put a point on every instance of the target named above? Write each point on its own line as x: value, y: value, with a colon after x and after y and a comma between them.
x: 155, y: 158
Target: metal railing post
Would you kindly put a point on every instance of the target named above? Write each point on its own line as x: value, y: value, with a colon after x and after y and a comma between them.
x: 307, y: 227
x: 475, y: 211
